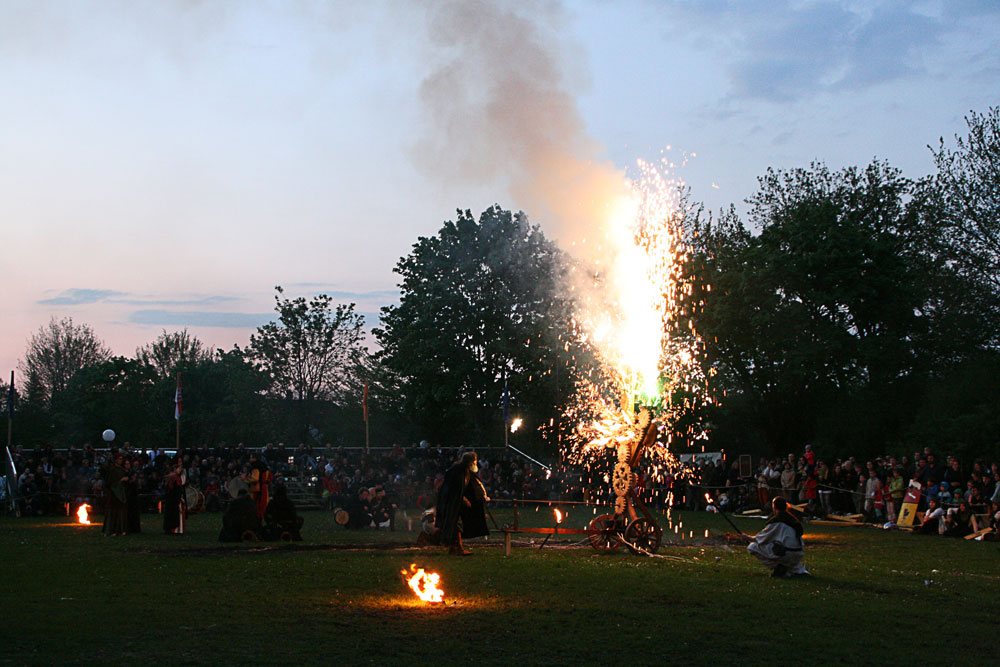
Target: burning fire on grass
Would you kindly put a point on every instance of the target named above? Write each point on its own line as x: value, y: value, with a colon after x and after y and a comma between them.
x: 83, y: 514
x: 423, y: 584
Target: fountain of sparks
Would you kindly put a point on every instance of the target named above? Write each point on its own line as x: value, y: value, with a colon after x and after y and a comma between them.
x: 637, y: 318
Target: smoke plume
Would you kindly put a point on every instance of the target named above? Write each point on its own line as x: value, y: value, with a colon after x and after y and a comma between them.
x: 497, y: 105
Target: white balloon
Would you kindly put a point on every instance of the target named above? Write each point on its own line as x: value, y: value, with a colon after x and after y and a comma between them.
x: 108, y: 435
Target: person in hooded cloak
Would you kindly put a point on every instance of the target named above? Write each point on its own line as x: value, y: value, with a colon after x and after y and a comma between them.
x: 461, y: 504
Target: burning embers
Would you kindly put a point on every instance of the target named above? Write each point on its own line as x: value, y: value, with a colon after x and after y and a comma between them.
x: 83, y: 514
x: 423, y: 584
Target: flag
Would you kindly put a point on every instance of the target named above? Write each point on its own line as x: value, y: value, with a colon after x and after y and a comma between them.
x: 364, y: 402
x: 177, y: 399
x: 506, y: 404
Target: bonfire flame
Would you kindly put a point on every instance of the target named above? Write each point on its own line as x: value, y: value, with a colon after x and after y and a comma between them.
x: 82, y: 514
x: 559, y: 516
x: 516, y: 424
x: 423, y: 584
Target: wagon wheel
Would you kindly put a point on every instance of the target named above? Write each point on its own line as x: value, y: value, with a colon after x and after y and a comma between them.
x: 643, y: 534
x: 604, y: 533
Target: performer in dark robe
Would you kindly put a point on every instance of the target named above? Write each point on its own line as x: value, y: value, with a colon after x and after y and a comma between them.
x: 461, y: 504
x: 260, y: 479
x: 240, y: 520
x: 173, y: 501
x: 115, y: 508
x: 281, y: 517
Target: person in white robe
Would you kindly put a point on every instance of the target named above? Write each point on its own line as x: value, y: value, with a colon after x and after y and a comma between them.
x: 779, y: 546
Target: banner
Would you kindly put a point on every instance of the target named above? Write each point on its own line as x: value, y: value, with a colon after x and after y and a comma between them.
x: 908, y: 510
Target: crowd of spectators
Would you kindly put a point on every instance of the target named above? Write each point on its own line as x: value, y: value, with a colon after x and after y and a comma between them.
x: 963, y: 497
x: 367, y: 484
x: 371, y: 486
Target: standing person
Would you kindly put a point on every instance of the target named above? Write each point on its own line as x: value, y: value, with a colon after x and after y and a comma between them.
x: 133, y: 517
x: 788, y: 481
x: 779, y: 546
x: 461, y: 504
x: 115, y: 507
x: 173, y: 501
x: 260, y: 483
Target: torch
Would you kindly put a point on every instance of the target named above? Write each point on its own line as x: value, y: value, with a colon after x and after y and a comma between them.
x: 559, y: 518
x: 723, y: 515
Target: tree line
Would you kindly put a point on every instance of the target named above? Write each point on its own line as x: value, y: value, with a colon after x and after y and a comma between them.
x: 854, y: 309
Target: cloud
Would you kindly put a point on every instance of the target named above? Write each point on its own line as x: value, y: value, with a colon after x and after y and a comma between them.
x: 200, y: 319
x: 783, y: 51
x: 200, y: 301
x: 78, y: 297
x: 374, y: 295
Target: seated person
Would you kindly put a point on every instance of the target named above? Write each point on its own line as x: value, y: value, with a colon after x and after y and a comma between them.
x: 360, y: 511
x: 933, y: 522
x: 779, y: 546
x: 281, y: 517
x: 994, y: 534
x: 960, y: 522
x: 944, y: 495
x: 240, y: 520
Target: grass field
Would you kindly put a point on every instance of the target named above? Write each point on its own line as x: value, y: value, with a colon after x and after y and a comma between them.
x: 73, y: 596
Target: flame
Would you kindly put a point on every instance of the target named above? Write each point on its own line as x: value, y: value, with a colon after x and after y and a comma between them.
x: 708, y: 499
x: 82, y: 515
x: 423, y: 584
x: 559, y: 516
x: 516, y: 424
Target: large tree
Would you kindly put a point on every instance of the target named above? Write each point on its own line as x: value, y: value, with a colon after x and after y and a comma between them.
x: 55, y: 352
x: 480, y: 306
x: 823, y: 324
x: 171, y: 350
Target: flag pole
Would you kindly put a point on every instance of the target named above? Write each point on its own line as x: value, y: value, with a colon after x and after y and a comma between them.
x: 506, y: 416
x: 10, y: 410
x: 177, y: 414
x: 364, y: 407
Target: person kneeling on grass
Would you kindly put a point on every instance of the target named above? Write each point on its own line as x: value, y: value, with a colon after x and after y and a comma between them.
x: 779, y: 546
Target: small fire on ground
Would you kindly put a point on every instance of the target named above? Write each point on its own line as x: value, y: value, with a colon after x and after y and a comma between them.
x: 83, y: 515
x: 423, y: 584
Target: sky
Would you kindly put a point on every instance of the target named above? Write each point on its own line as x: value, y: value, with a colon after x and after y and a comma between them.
x: 164, y: 165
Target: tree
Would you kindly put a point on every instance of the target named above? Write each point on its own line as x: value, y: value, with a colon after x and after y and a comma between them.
x: 170, y: 350
x: 309, y: 352
x: 968, y: 183
x: 480, y: 307
x: 55, y: 352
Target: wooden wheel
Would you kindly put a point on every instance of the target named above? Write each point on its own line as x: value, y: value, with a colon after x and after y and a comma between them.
x: 604, y: 533
x: 643, y: 534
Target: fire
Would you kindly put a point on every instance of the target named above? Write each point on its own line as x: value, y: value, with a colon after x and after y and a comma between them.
x: 82, y: 514
x: 708, y: 499
x: 516, y: 424
x: 559, y: 516
x: 423, y: 584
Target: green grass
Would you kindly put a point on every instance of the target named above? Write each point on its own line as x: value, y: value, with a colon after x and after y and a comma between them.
x: 73, y: 596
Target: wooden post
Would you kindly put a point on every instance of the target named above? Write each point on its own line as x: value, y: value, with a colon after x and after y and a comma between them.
x: 506, y: 543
